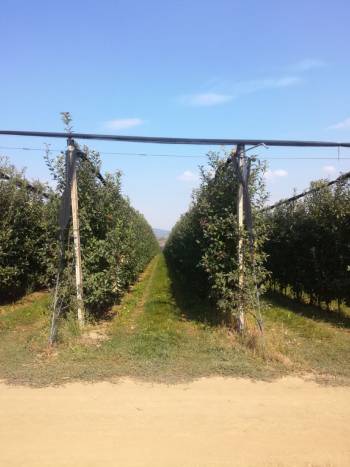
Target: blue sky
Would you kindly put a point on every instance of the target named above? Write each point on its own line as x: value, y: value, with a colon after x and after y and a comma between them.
x: 245, y: 69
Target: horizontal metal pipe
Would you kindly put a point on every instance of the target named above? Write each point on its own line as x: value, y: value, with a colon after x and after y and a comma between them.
x: 165, y: 140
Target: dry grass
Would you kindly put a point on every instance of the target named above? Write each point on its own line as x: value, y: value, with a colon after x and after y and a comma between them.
x: 161, y: 333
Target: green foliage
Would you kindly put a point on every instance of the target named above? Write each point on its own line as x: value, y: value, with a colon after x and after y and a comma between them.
x: 116, y: 240
x: 203, y: 246
x: 25, y: 232
x: 308, y: 249
x: 152, y: 339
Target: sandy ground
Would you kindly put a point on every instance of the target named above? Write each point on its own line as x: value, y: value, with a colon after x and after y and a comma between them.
x: 210, y: 422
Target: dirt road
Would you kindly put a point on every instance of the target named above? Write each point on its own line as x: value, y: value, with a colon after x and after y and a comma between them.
x: 210, y: 422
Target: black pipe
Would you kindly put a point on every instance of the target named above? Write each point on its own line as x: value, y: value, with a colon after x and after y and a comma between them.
x: 165, y: 140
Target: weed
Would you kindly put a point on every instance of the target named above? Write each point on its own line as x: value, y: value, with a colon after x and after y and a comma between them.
x: 159, y: 335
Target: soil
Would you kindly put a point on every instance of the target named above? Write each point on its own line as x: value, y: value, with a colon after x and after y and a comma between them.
x: 290, y: 422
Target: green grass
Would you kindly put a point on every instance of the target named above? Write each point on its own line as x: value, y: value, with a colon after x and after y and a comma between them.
x: 23, y: 335
x: 161, y: 332
x: 313, y: 339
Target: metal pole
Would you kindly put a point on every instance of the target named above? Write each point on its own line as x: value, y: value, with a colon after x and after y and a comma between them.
x: 166, y: 140
x: 76, y: 234
x: 240, y: 220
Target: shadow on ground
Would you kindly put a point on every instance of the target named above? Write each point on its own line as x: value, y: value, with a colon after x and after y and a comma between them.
x: 335, y: 317
x: 193, y: 307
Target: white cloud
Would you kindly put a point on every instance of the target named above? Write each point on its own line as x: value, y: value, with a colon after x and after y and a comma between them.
x: 123, y: 123
x: 280, y: 173
x: 188, y: 176
x: 308, y: 64
x: 271, y: 174
x: 329, y: 169
x: 236, y: 90
x: 205, y: 99
x: 343, y: 125
x: 252, y: 86
x: 272, y: 83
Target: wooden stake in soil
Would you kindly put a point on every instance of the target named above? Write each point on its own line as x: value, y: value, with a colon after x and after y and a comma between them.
x: 240, y: 218
x: 76, y: 235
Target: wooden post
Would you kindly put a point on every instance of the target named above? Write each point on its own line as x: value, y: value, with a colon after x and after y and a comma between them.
x: 240, y: 219
x: 76, y: 234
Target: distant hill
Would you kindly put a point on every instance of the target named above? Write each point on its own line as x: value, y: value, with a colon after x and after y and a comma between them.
x: 161, y: 233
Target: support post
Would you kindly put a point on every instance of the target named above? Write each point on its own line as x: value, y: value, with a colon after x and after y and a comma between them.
x: 240, y: 153
x: 76, y: 234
